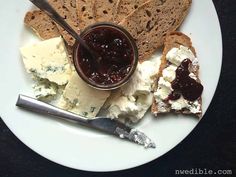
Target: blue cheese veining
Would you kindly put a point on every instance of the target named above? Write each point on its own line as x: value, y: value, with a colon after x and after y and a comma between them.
x: 48, y: 60
x: 82, y: 99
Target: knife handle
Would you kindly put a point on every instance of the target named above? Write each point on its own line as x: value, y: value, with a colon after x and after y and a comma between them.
x: 34, y: 105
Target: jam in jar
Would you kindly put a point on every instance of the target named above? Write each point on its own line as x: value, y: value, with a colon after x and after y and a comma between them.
x: 114, y: 60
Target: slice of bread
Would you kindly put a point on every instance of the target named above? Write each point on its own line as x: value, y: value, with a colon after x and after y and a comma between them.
x: 71, y: 6
x: 105, y: 10
x: 64, y: 8
x: 85, y: 12
x: 149, y: 23
x: 125, y: 7
x: 175, y: 40
x: 41, y: 24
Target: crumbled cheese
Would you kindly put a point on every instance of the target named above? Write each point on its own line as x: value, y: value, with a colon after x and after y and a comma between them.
x: 134, y: 99
x: 82, y: 99
x: 179, y: 104
x: 131, y: 108
x: 177, y: 55
x: 162, y: 107
x: 123, y: 106
x: 163, y: 91
x: 44, y: 89
x: 141, y: 81
x: 48, y: 60
x: 169, y: 73
x: 193, y: 76
x: 195, y: 107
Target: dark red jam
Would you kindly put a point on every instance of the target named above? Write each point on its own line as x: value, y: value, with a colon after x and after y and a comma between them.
x: 115, y: 55
x: 184, y: 85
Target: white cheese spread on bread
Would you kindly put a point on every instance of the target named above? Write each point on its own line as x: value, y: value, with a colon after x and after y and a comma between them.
x: 175, y: 57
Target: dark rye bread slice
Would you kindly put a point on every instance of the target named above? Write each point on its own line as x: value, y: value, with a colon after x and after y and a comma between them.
x: 85, y: 12
x: 125, y: 7
x: 41, y: 24
x: 174, y: 40
x: 104, y: 10
x: 64, y: 9
x: 149, y: 23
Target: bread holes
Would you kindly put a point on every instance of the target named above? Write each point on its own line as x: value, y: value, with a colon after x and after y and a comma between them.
x: 158, y: 10
x: 72, y: 4
x: 162, y: 2
x: 149, y: 14
x: 65, y: 17
x: 148, y: 26
x: 32, y: 17
x: 83, y: 8
x: 135, y: 6
x: 173, y: 22
x: 105, y: 12
x: 110, y: 1
x: 139, y: 32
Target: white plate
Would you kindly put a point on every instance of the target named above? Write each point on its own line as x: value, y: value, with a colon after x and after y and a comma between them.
x: 80, y: 148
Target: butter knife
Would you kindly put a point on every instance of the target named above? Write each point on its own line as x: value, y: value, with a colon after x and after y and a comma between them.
x: 107, y: 125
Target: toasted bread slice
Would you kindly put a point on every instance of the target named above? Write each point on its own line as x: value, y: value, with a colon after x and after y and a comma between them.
x: 149, y: 23
x: 41, y: 24
x: 64, y: 8
x: 175, y: 40
x: 85, y: 12
x: 71, y: 6
x: 105, y: 10
x: 46, y: 28
x: 125, y: 7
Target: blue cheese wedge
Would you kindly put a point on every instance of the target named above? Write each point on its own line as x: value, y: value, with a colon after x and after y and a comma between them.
x: 82, y: 99
x: 48, y: 60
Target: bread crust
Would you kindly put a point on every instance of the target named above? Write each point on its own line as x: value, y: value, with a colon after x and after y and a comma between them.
x: 46, y: 28
x: 41, y: 24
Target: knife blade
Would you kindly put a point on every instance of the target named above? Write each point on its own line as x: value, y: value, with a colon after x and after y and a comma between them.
x: 107, y: 125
